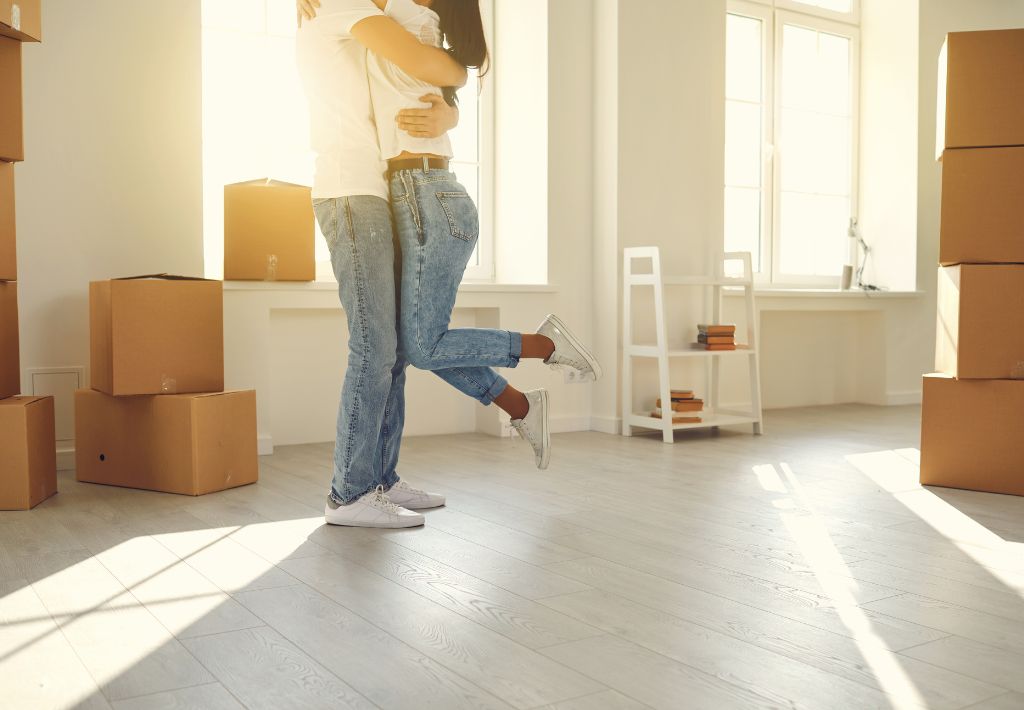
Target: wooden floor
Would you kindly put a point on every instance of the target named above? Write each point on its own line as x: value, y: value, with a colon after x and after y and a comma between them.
x: 804, y: 568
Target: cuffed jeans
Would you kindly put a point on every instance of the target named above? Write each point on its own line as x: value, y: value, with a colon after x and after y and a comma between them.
x: 438, y: 226
x: 371, y: 414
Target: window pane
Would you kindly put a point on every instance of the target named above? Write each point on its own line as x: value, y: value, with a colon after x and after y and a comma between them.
x: 743, y: 58
x: 742, y: 144
x: 815, y: 153
x: 815, y: 150
x: 836, y: 5
x: 813, y: 241
x: 466, y: 136
x: 743, y: 222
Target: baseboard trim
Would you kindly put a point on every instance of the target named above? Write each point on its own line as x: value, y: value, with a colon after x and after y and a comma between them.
x: 606, y: 425
x: 66, y: 458
x: 264, y: 445
x: 896, y: 399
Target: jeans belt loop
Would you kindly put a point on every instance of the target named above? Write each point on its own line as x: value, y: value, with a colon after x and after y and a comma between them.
x: 426, y: 165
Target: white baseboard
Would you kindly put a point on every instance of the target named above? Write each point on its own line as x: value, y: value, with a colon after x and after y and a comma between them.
x: 606, y: 425
x: 264, y: 445
x: 895, y: 399
x: 66, y: 458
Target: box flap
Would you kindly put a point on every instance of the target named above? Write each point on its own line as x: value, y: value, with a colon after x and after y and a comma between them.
x: 266, y: 182
x: 163, y: 277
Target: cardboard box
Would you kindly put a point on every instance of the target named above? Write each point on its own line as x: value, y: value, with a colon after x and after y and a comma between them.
x: 22, y: 20
x: 28, y: 452
x: 11, y: 142
x: 10, y: 365
x: 190, y: 444
x: 268, y: 232
x: 970, y: 434
x: 980, y: 330
x: 981, y: 90
x: 156, y: 334
x: 982, y: 206
x: 8, y: 255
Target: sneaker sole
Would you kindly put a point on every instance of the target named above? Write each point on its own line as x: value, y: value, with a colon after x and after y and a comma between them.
x: 545, y: 434
x: 425, y: 507
x: 389, y: 526
x: 595, y: 366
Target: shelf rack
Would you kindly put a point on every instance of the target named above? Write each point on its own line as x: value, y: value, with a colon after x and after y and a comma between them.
x: 711, y: 288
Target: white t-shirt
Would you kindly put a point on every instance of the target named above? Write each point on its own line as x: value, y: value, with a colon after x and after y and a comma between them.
x: 332, y: 64
x: 392, y: 90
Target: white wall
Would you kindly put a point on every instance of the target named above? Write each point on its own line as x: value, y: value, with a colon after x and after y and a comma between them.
x: 111, y: 184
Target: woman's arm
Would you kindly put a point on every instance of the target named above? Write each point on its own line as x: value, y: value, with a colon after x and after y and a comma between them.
x: 388, y: 39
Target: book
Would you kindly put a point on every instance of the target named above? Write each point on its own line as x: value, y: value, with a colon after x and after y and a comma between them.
x: 716, y: 329
x: 678, y: 419
x: 680, y: 394
x: 720, y: 347
x: 716, y: 339
x: 689, y: 405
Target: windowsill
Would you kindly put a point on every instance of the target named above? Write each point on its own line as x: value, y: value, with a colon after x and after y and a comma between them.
x: 308, y: 286
x: 767, y: 292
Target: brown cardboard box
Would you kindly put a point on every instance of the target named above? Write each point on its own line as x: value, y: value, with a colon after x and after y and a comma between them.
x: 156, y: 335
x: 22, y: 20
x: 982, y: 206
x: 980, y: 330
x: 28, y: 452
x: 8, y: 257
x: 268, y: 232
x: 970, y: 434
x: 11, y: 144
x: 981, y: 90
x: 187, y: 443
x: 10, y: 366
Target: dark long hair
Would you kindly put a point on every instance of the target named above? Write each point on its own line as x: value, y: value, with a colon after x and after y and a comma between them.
x: 463, y: 30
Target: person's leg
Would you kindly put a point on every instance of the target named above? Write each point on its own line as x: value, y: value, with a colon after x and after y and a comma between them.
x: 359, y: 233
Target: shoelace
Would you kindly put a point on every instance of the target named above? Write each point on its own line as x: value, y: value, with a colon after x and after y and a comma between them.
x: 381, y: 500
x: 406, y: 488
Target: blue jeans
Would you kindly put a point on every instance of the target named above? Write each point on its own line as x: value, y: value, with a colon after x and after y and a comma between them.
x: 371, y: 414
x: 438, y: 226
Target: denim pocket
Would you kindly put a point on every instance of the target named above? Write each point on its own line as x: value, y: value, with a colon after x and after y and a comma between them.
x: 463, y: 219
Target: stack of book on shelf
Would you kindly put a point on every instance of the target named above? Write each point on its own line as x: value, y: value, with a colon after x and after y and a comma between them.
x: 717, y: 337
x: 685, y: 409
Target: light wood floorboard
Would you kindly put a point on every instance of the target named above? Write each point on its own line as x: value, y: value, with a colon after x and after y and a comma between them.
x: 804, y: 569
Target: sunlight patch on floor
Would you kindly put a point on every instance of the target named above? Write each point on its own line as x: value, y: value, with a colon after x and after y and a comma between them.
x: 897, y: 472
x: 810, y: 533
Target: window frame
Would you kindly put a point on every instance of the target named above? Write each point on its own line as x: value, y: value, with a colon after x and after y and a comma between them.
x: 774, y: 15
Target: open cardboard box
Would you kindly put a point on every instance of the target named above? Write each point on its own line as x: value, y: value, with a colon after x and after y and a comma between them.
x: 187, y: 443
x: 28, y: 452
x: 157, y: 334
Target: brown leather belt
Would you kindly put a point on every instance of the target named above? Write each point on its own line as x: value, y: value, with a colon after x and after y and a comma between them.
x: 423, y: 164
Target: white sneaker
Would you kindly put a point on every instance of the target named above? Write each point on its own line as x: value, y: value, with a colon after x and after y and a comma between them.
x: 534, y: 426
x: 569, y: 351
x: 373, y: 510
x: 413, y: 498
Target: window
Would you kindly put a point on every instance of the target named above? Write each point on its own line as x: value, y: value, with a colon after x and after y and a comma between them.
x: 791, y: 137
x: 256, y: 123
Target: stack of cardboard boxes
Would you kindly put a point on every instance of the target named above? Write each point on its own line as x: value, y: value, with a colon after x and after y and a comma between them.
x: 28, y: 452
x: 157, y: 416
x: 973, y: 409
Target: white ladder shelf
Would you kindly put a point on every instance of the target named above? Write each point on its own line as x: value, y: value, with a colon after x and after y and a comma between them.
x: 711, y: 288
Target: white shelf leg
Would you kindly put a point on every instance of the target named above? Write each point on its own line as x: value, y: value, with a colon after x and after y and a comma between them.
x: 627, y: 338
x: 664, y: 386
